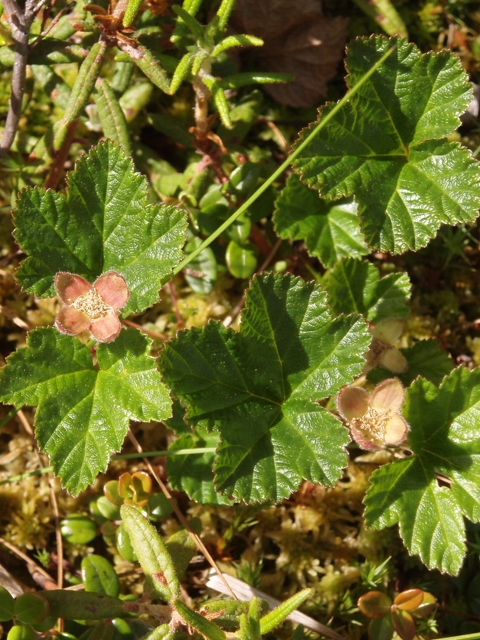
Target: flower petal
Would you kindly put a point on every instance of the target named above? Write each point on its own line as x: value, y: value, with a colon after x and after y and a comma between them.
x: 71, y: 321
x: 362, y: 441
x: 396, y: 430
x: 113, y: 289
x: 389, y: 330
x: 352, y: 402
x: 388, y: 396
x: 106, y: 329
x: 393, y: 360
x: 69, y: 286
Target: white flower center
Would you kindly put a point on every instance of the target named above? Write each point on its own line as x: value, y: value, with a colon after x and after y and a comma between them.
x: 373, y: 425
x: 93, y: 305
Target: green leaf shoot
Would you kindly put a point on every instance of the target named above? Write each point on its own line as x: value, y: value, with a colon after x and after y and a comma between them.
x: 131, y: 11
x: 237, y: 40
x: 181, y: 72
x: 207, y: 629
x: 111, y: 115
x: 151, y: 67
x: 278, y: 615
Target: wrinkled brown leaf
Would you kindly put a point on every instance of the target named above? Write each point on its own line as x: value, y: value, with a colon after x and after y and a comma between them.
x: 299, y: 40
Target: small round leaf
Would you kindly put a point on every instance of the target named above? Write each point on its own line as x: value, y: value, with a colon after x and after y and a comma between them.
x: 241, y: 259
x: 403, y: 623
x: 99, y: 576
x: 46, y: 625
x: 20, y: 632
x: 31, y: 608
x: 124, y: 546
x: 410, y: 599
x: 427, y: 607
x: 122, y: 630
x: 7, y: 604
x: 374, y: 604
x: 111, y: 491
x: 109, y: 510
x: 78, y: 529
x: 240, y: 230
x: 159, y: 506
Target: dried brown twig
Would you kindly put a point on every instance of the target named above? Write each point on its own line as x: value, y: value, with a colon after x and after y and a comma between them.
x: 20, y: 22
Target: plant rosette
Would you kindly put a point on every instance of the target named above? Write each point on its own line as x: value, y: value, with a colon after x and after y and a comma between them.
x: 93, y: 307
x: 374, y: 419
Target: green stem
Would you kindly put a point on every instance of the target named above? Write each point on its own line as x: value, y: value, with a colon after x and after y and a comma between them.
x: 120, y: 456
x: 276, y: 174
x: 27, y: 474
x: 469, y: 636
x: 153, y: 454
x: 9, y: 415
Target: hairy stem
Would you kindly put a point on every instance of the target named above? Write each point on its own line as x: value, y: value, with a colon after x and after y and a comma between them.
x: 276, y: 174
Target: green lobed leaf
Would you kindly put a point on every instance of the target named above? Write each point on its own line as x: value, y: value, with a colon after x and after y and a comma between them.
x: 77, y: 424
x: 354, y: 286
x: 194, y: 473
x: 445, y: 443
x: 386, y: 147
x: 330, y: 229
x: 425, y: 359
x: 103, y: 222
x: 260, y: 387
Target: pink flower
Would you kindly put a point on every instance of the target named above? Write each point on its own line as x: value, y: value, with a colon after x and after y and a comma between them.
x: 90, y: 306
x: 374, y: 419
